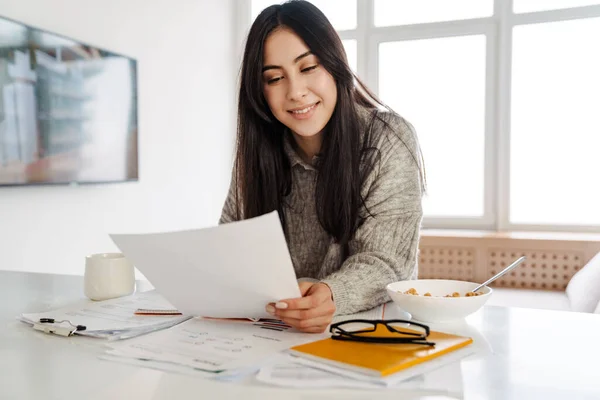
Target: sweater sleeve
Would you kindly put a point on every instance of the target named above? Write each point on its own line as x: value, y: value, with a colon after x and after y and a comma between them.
x: 385, y: 246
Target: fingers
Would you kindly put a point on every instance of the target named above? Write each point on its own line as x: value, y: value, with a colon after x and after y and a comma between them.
x: 311, y: 313
x: 305, y: 286
x: 320, y: 295
x: 327, y: 308
x: 314, y: 325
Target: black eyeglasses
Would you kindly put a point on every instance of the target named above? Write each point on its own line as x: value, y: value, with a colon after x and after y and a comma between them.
x: 359, y: 330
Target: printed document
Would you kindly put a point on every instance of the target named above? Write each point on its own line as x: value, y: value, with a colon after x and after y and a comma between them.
x: 111, y: 319
x: 229, y: 271
x: 214, y: 345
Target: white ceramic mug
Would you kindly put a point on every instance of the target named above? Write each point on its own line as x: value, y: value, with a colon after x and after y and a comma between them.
x: 108, y: 275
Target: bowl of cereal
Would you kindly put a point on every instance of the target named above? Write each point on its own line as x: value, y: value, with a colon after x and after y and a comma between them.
x: 438, y: 300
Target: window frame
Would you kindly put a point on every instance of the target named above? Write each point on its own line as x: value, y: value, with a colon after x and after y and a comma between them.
x: 497, y: 29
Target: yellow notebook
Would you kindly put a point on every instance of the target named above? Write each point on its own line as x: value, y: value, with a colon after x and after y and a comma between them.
x: 379, y: 359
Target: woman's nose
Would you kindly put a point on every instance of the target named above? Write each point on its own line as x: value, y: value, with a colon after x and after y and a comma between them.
x: 297, y: 89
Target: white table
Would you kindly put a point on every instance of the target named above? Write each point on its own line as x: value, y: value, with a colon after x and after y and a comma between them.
x: 533, y: 354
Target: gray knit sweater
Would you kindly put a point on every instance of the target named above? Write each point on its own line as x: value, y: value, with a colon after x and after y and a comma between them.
x: 384, y: 248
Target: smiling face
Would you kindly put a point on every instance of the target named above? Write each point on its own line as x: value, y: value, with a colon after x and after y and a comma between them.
x: 300, y: 92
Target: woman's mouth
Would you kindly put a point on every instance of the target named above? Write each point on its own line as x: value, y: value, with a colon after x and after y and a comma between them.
x: 304, y: 113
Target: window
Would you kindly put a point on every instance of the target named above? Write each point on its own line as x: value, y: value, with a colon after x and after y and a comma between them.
x: 524, y: 6
x: 503, y: 95
x: 350, y: 47
x: 446, y: 77
x: 394, y: 12
x: 555, y: 132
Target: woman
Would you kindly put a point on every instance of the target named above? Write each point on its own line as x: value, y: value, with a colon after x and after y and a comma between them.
x: 345, y: 177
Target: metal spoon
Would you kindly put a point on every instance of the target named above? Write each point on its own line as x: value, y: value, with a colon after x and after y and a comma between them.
x: 499, y: 274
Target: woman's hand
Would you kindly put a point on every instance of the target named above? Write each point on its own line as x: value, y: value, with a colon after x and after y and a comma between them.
x: 311, y: 313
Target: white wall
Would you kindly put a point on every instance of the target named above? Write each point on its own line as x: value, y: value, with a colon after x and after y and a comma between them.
x: 187, y: 66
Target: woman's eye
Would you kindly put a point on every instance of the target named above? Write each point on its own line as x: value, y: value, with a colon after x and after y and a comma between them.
x: 307, y: 69
x: 274, y: 80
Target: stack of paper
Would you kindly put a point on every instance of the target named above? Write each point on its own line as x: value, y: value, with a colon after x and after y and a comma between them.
x: 231, y: 350
x: 211, y: 348
x: 111, y: 319
x: 389, y: 380
x: 442, y: 375
x: 383, y: 360
x: 290, y: 371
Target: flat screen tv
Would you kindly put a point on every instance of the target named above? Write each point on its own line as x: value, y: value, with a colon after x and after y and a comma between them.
x: 68, y: 111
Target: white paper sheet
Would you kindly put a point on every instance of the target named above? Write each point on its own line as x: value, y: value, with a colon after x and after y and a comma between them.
x: 158, y: 365
x: 114, y: 318
x: 228, y: 271
x: 443, y: 377
x: 210, y: 345
x: 285, y: 372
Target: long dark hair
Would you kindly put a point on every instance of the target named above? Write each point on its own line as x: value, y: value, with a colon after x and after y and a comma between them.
x: 262, y: 169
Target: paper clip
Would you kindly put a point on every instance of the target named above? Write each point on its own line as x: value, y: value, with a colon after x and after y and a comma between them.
x: 58, y: 330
